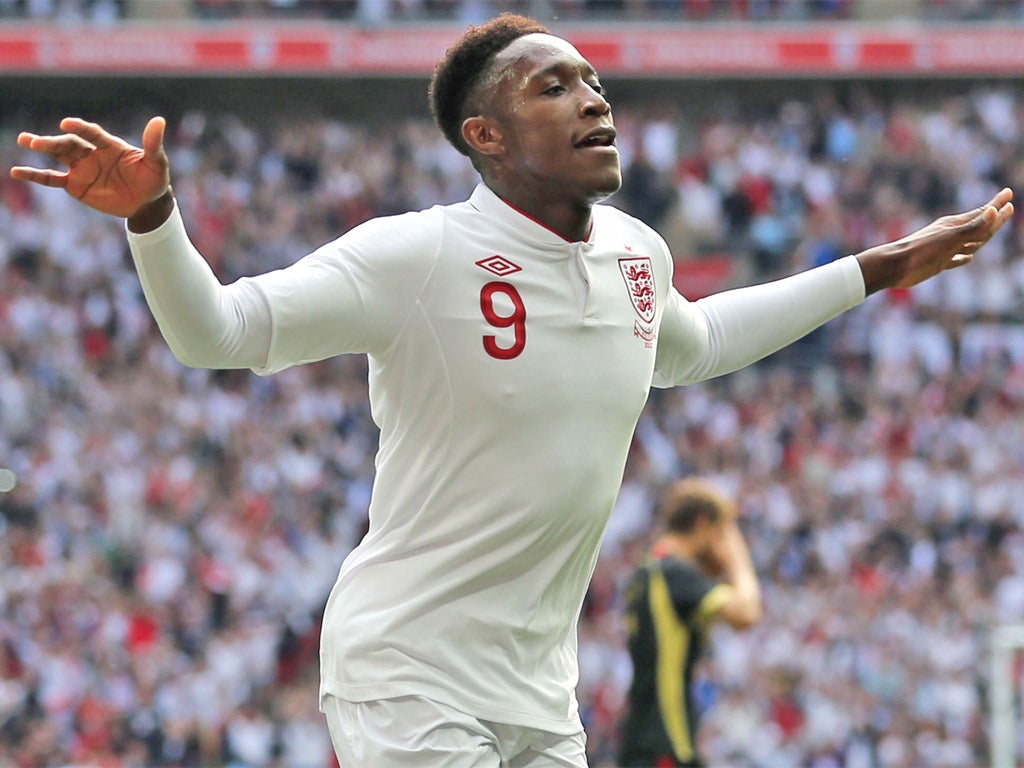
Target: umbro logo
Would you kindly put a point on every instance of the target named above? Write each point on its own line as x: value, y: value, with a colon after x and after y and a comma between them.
x: 498, y: 265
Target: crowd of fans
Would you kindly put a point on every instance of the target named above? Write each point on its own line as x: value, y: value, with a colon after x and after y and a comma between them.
x: 173, y: 533
x: 400, y: 11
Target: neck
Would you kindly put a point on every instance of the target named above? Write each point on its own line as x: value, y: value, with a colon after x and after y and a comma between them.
x: 568, y: 219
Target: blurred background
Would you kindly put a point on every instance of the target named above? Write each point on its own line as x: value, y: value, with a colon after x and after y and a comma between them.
x: 168, y: 536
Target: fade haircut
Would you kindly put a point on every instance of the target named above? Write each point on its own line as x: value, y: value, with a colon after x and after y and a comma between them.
x: 688, y: 501
x: 464, y: 64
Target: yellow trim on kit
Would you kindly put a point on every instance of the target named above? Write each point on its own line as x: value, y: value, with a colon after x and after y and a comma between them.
x: 717, y: 596
x: 673, y: 644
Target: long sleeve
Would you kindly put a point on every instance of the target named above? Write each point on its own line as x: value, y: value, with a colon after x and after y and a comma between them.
x: 352, y: 294
x: 727, y: 331
x: 206, y: 324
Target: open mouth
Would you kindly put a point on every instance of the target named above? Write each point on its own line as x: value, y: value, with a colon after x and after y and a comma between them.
x: 602, y: 137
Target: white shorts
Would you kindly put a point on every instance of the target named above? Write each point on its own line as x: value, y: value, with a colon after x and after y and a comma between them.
x: 415, y: 732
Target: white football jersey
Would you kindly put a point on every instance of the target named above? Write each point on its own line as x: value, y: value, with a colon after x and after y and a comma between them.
x: 508, y: 368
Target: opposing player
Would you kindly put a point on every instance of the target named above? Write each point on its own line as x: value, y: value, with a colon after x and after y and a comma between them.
x: 699, y: 572
x: 512, y: 341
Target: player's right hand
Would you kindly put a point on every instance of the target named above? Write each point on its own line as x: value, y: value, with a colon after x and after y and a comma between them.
x: 103, y: 171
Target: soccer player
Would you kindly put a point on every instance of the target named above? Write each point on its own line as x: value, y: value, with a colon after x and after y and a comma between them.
x: 699, y: 572
x: 512, y: 341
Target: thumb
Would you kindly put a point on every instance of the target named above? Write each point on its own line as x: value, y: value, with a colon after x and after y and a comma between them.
x: 153, y: 137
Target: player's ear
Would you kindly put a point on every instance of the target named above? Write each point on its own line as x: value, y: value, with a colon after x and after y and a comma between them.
x: 483, y: 134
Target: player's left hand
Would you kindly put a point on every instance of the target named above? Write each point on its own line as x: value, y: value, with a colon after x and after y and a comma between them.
x: 948, y: 242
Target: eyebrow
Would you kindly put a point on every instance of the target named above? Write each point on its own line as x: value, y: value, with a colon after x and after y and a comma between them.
x: 560, y: 66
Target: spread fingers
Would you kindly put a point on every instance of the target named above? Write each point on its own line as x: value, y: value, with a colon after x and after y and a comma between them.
x: 68, y: 149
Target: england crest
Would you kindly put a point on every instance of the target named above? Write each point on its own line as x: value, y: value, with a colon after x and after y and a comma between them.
x: 639, y: 277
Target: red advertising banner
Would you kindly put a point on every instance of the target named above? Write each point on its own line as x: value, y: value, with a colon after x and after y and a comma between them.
x: 666, y: 51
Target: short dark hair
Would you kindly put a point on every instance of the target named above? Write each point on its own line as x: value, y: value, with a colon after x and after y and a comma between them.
x: 688, y: 501
x: 464, y: 63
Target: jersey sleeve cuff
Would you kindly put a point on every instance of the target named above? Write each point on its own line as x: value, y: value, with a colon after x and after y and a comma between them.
x: 170, y: 228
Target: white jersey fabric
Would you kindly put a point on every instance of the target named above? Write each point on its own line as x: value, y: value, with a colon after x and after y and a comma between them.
x: 508, y: 368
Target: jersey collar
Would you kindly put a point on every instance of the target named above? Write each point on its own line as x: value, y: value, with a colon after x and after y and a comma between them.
x: 487, y: 202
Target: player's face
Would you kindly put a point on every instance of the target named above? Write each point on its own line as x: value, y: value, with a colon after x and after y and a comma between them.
x: 558, y: 130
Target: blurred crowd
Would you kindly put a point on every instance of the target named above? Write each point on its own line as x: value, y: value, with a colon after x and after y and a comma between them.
x: 399, y: 11
x: 173, y: 533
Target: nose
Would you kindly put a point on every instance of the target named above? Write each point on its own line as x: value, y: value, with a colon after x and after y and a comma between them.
x: 593, y: 104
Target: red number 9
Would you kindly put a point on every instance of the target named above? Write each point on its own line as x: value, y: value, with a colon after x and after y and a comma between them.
x: 517, y: 320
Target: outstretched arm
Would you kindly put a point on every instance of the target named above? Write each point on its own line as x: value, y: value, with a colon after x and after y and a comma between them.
x: 205, y: 324
x: 105, y: 172
x: 351, y: 295
x: 729, y: 330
